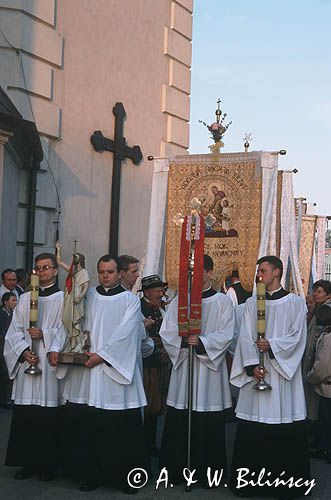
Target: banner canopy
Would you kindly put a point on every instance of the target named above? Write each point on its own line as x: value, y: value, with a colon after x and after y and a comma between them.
x: 252, y: 204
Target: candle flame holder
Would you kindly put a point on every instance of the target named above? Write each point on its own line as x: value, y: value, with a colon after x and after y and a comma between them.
x: 34, y: 294
x: 33, y: 369
x: 261, y: 385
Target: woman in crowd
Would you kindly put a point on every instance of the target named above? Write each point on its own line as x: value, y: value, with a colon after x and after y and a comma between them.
x: 311, y: 306
x: 321, y: 295
x: 320, y: 377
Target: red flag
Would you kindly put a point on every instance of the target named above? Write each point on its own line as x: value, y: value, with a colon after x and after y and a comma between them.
x: 184, y: 256
x: 197, y: 281
x: 190, y: 326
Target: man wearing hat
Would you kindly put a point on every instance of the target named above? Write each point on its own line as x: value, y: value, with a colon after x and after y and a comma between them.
x: 156, y: 366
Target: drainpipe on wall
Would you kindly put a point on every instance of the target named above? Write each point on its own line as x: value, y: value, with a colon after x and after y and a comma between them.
x: 31, y: 218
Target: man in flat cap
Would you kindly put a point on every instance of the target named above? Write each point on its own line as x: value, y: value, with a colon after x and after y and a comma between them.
x: 156, y: 366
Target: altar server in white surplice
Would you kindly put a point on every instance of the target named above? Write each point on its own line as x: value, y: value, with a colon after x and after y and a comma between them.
x: 211, y: 392
x: 104, y: 435
x: 271, y: 423
x: 36, y: 397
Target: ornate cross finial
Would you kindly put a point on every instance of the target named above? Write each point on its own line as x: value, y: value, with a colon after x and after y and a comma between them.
x: 215, y: 149
x: 217, y: 129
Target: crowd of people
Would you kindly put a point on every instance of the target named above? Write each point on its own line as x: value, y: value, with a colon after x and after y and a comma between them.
x: 98, y: 421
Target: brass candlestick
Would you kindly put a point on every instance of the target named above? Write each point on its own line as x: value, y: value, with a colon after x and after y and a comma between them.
x: 261, y: 385
x: 34, y: 295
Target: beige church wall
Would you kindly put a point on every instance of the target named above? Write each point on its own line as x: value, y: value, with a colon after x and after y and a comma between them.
x: 43, y: 10
x: 4, y: 254
x: 80, y: 58
x: 9, y: 215
x: 32, y: 36
x: 39, y: 82
x: 123, y: 60
x: 26, y: 75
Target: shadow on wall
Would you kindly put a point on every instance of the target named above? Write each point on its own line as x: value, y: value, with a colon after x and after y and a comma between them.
x: 68, y: 185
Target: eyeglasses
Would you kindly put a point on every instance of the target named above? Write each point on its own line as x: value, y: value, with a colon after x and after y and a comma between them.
x: 43, y: 268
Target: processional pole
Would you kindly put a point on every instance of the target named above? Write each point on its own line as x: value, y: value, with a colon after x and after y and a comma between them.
x: 190, y: 282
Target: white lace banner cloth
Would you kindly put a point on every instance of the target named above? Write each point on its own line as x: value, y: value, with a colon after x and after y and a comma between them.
x: 320, y: 247
x: 288, y: 234
x: 313, y: 265
x: 154, y: 254
x: 269, y: 165
x: 153, y: 261
x: 286, y: 228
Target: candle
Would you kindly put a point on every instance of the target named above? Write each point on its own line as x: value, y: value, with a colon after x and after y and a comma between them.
x: 260, y: 289
x: 34, y: 294
x: 261, y: 385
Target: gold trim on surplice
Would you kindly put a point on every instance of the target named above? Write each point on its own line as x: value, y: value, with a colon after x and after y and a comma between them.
x: 230, y: 188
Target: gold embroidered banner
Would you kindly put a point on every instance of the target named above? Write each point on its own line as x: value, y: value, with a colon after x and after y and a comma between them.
x: 307, y: 239
x: 229, y: 188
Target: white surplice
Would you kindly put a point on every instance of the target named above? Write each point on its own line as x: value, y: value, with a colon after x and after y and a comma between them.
x: 115, y: 327
x: 44, y: 389
x: 238, y: 313
x: 211, y: 390
x: 286, y: 332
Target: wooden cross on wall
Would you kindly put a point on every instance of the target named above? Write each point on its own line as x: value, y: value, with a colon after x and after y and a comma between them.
x: 120, y: 152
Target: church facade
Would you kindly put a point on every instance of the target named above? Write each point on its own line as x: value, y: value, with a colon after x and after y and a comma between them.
x: 64, y: 64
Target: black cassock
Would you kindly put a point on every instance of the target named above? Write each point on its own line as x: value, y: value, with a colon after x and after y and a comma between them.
x: 102, y: 445
x: 34, y: 434
x: 279, y: 449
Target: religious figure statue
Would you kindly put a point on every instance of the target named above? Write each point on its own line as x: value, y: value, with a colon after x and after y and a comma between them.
x: 76, y: 287
x: 217, y: 206
x: 226, y: 216
x: 218, y: 214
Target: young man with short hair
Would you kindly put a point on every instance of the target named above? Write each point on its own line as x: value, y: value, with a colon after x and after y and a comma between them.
x: 129, y: 271
x: 33, y: 440
x: 271, y: 423
x: 236, y: 291
x: 104, y: 434
x: 22, y: 279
